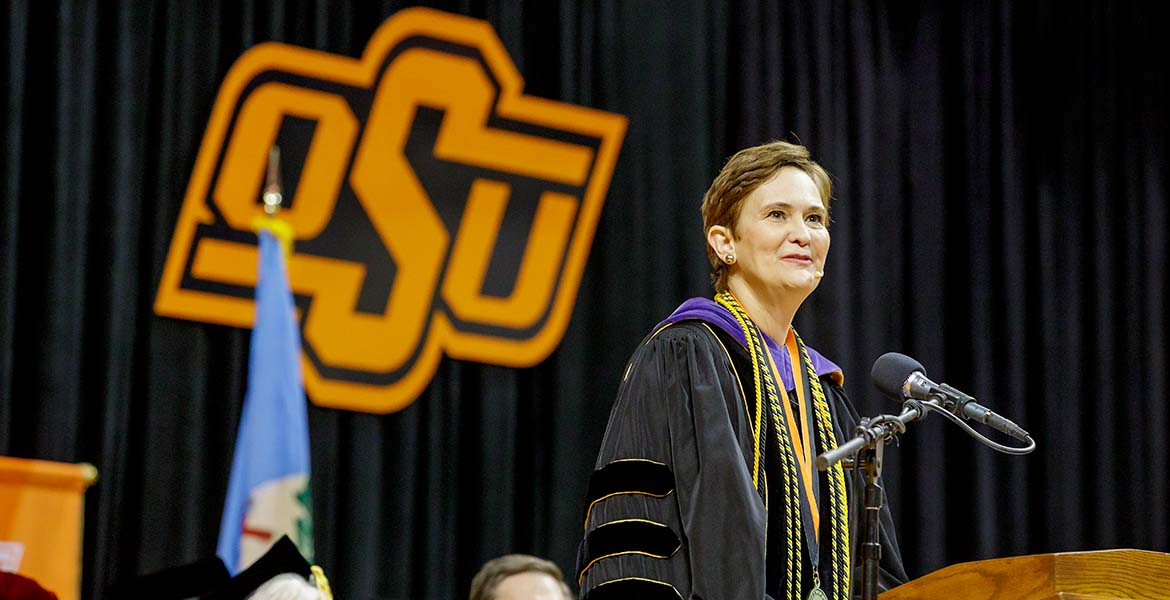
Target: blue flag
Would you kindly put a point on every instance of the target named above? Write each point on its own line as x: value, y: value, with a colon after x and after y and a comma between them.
x: 268, y: 493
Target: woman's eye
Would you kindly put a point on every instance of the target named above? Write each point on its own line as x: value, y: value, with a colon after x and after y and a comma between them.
x: 816, y: 218
x: 776, y: 214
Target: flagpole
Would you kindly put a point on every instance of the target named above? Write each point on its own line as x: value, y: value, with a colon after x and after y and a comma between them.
x: 273, y: 198
x: 272, y: 195
x: 268, y: 488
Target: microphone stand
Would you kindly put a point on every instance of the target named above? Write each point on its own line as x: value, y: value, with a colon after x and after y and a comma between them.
x: 866, y: 448
x: 868, y: 444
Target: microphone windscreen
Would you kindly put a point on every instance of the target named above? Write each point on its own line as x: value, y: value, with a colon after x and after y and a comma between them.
x: 891, y: 370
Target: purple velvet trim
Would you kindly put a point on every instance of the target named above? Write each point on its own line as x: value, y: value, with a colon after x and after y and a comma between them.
x: 706, y: 309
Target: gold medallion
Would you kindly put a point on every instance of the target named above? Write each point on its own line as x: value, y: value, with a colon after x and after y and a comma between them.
x: 817, y: 594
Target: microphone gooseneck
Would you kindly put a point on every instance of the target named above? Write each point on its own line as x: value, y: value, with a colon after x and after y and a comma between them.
x: 903, y: 378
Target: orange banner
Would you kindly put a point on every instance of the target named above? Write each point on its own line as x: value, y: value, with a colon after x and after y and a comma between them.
x: 437, y: 210
x: 41, y: 510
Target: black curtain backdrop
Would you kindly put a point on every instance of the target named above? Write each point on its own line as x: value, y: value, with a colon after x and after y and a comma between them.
x: 1000, y: 213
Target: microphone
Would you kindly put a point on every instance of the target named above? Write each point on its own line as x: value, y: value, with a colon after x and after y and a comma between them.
x: 900, y: 377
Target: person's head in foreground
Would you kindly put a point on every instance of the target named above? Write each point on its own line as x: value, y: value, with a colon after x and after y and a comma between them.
x: 519, y: 577
x: 288, y: 586
x: 766, y: 217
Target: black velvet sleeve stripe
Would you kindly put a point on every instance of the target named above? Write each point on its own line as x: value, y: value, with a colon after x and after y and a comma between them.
x: 629, y: 536
x: 633, y: 587
x: 629, y: 476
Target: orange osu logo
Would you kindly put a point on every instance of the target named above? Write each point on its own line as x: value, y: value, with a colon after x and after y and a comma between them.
x: 435, y: 208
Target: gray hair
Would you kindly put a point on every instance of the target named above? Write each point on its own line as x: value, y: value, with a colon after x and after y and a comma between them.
x: 287, y: 587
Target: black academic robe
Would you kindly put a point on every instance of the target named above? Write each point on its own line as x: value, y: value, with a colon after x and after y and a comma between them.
x: 672, y: 510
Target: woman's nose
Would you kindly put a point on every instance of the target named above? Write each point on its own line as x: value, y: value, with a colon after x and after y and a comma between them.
x: 799, y: 234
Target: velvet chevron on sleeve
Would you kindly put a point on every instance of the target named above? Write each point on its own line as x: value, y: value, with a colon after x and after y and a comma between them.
x: 679, y: 411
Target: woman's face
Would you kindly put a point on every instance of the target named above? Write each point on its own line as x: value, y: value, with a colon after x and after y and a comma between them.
x: 783, y: 235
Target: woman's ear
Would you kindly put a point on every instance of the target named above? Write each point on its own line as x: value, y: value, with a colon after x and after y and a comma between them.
x: 720, y: 240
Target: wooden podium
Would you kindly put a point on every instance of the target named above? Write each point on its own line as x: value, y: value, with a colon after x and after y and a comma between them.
x: 1102, y: 575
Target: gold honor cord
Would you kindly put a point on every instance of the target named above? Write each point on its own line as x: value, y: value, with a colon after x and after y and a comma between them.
x: 754, y: 346
x: 839, y: 506
x: 758, y: 350
x: 839, y: 502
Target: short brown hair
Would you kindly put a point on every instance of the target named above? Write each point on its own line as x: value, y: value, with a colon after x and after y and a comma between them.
x: 741, y: 175
x: 483, y: 586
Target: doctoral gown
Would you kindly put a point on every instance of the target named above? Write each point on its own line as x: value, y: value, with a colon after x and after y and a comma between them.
x: 672, y: 510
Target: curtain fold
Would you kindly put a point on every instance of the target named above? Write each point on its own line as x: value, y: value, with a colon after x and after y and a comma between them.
x: 1000, y: 213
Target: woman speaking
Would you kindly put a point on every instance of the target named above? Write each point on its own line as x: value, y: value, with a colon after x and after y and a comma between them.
x: 705, y: 485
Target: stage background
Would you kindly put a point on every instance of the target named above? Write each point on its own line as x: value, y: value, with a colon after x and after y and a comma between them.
x: 1000, y: 213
